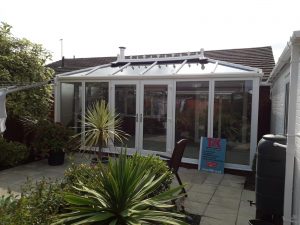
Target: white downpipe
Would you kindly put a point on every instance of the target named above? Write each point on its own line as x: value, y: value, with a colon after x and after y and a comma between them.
x: 291, y: 145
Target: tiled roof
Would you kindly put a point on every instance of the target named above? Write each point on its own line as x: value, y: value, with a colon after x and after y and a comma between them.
x: 260, y: 57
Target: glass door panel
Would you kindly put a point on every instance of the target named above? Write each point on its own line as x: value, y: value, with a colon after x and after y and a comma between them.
x: 232, y: 118
x: 155, y: 108
x: 191, y: 114
x: 71, y: 105
x: 125, y: 106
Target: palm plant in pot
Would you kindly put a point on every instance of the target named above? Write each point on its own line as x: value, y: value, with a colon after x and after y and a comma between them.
x: 51, y: 139
x: 101, y: 126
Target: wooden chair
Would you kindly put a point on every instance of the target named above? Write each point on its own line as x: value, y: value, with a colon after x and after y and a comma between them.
x: 175, y: 159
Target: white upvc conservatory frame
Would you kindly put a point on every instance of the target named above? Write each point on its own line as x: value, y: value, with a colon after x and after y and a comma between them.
x: 254, y: 75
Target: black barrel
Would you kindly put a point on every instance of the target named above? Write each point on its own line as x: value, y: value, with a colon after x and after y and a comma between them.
x: 270, y: 175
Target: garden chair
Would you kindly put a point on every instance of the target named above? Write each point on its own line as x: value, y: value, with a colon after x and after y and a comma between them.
x: 175, y: 160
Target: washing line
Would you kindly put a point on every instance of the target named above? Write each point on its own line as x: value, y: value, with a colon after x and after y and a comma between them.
x: 11, y: 89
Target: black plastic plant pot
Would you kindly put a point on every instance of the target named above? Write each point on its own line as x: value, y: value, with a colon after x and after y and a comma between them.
x: 56, y: 158
x: 259, y: 222
x: 104, y: 160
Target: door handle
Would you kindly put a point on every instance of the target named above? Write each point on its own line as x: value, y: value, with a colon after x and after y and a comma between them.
x: 141, y: 117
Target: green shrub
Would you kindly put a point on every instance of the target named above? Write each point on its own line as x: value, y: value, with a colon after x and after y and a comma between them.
x: 155, y: 165
x: 8, y: 205
x: 49, y: 136
x: 160, y: 168
x: 12, y: 153
x: 37, y: 205
x: 121, y: 193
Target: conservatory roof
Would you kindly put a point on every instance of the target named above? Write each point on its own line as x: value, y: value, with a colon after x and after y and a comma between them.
x: 196, y: 64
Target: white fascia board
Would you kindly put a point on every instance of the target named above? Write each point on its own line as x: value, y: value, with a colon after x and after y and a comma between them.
x: 240, y: 76
x: 282, y: 61
x: 285, y: 56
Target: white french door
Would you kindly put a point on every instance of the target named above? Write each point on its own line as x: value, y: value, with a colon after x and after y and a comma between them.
x: 125, y: 102
x: 146, y: 110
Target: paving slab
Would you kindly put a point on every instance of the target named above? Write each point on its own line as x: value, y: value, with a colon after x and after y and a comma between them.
x: 203, y: 188
x: 199, y: 197
x: 244, y: 220
x: 214, y: 179
x: 231, y: 203
x: 248, y: 195
x: 221, y: 213
x: 228, y: 192
x: 212, y: 221
x: 246, y: 209
x: 193, y: 207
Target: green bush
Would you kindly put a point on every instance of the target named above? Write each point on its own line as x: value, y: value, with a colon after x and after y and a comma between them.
x: 49, y: 136
x: 122, y: 192
x: 37, y: 205
x: 155, y: 165
x: 160, y: 168
x: 8, y: 205
x: 12, y: 153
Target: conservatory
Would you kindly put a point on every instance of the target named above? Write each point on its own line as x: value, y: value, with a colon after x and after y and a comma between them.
x: 163, y: 98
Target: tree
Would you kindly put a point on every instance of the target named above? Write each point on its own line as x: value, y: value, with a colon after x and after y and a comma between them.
x: 22, y: 63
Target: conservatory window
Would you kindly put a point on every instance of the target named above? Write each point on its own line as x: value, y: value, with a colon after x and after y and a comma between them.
x: 232, y: 118
x: 191, y: 114
x: 71, y: 103
x: 94, y: 92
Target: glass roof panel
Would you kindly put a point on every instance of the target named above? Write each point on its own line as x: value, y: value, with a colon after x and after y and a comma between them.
x: 104, y: 71
x: 77, y: 74
x: 163, y: 69
x: 133, y: 70
x: 228, y: 69
x: 195, y: 68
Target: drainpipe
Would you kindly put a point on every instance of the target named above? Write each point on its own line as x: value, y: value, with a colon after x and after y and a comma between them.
x: 288, y: 217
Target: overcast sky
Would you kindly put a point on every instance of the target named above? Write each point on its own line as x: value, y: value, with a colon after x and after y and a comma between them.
x: 94, y: 28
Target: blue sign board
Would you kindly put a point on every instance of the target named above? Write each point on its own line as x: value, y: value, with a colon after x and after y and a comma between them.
x: 212, y: 154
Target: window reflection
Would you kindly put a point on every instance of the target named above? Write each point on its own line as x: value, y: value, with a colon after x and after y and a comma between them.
x: 71, y: 103
x: 125, y: 106
x: 191, y: 114
x: 94, y: 92
x: 232, y: 118
x: 155, y: 117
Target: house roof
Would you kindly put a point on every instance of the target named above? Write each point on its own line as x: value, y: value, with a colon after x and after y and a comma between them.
x: 260, y: 57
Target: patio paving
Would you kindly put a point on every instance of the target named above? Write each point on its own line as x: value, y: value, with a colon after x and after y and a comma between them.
x: 219, y: 199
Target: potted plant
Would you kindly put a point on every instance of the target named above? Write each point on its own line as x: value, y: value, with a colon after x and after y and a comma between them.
x: 101, y: 125
x: 51, y: 140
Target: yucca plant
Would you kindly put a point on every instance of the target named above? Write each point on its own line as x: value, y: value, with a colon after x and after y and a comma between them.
x: 101, y: 125
x: 119, y: 195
